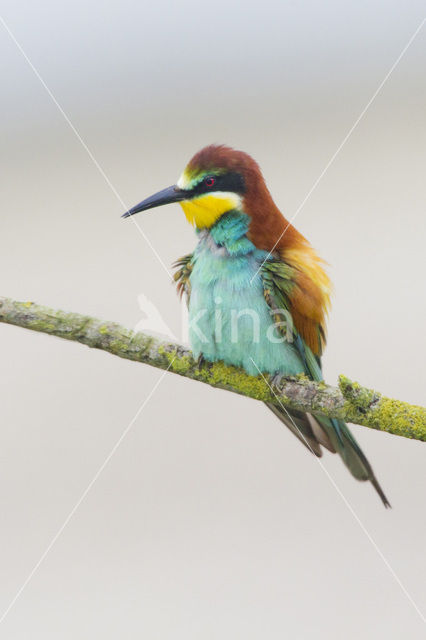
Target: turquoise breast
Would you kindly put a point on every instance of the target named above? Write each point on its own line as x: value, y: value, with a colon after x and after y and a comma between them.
x: 229, y: 319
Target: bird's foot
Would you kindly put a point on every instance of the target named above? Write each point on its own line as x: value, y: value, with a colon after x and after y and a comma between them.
x: 277, y: 378
x: 202, y: 363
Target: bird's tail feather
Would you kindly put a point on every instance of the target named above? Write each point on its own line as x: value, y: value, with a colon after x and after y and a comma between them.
x: 314, y: 431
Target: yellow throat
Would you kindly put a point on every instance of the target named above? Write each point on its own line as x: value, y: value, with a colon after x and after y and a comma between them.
x: 204, y: 211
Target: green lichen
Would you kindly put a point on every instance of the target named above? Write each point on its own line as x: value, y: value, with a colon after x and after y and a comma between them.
x: 219, y: 374
x: 118, y: 346
x: 360, y: 397
x: 368, y: 407
x: 103, y: 329
x: 180, y: 365
x: 43, y: 325
x: 163, y: 352
x: 400, y: 418
x: 301, y: 377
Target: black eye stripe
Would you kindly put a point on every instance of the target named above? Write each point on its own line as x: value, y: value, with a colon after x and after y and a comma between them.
x: 223, y: 182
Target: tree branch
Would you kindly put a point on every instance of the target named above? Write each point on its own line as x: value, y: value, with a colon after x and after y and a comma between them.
x: 351, y: 401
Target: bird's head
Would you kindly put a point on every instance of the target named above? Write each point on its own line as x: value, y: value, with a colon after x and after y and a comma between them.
x: 216, y: 180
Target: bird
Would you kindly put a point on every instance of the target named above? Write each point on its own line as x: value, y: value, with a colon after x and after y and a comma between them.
x: 258, y: 293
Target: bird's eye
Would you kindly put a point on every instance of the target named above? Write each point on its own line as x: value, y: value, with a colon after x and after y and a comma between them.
x: 209, y: 181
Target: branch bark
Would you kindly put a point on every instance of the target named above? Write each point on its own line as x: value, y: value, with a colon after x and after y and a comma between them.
x: 350, y: 401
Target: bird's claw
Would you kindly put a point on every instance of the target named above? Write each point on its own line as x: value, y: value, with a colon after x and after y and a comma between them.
x: 202, y: 362
x: 277, y: 379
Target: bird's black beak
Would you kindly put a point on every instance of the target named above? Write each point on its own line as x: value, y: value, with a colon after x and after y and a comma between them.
x: 166, y: 196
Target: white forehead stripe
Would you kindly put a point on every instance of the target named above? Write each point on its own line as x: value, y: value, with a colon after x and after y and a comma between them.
x: 183, y: 182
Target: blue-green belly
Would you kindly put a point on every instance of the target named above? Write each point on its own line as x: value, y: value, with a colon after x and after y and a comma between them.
x: 229, y: 317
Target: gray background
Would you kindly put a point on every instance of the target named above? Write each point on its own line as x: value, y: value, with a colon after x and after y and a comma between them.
x: 210, y: 520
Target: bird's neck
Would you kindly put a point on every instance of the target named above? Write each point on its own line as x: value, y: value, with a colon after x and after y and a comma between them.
x: 230, y: 233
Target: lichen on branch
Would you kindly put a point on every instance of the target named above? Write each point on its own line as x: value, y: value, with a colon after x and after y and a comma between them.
x: 350, y: 401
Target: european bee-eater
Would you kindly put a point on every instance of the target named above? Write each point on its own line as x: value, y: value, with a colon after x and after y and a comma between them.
x: 257, y: 292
